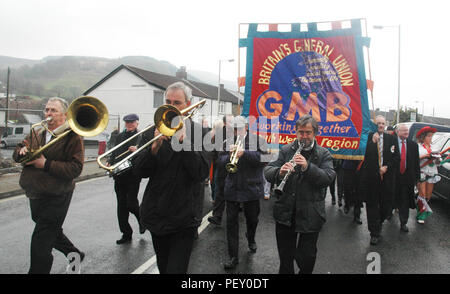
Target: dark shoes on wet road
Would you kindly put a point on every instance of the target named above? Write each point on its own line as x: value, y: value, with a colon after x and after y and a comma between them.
x: 231, y: 263
x: 123, y: 240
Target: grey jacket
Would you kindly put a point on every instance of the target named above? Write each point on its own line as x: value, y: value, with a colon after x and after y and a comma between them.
x: 303, y: 200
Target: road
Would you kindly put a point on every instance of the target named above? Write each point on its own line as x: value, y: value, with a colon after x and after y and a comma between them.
x: 343, y: 247
x: 90, y: 151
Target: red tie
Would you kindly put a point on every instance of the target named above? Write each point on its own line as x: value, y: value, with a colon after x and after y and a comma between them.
x: 403, y: 158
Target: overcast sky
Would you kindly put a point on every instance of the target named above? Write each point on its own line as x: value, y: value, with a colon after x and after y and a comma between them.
x: 198, y: 33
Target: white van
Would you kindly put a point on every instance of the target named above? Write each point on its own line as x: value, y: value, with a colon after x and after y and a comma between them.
x: 14, y: 135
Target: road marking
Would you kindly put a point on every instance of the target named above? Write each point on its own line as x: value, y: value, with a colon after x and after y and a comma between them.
x: 12, y: 198
x: 23, y: 195
x: 152, y: 261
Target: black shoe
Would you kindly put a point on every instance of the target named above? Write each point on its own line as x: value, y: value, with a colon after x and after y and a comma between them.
x: 339, y: 202
x: 123, y: 240
x: 346, y: 209
x: 215, y: 221
x: 404, y: 228
x: 374, y: 240
x: 357, y: 220
x: 231, y: 263
x: 333, y: 201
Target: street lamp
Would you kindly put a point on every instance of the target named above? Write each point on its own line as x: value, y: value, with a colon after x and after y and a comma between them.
x: 398, y: 99
x: 218, y: 88
x: 423, y: 106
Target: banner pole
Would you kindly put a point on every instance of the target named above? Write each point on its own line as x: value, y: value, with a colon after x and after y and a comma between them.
x: 370, y: 73
x: 239, y: 69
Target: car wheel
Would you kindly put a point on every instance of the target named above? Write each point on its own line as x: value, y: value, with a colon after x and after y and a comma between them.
x: 3, y: 145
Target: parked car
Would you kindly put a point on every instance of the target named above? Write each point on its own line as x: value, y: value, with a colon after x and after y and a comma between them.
x: 441, y: 142
x: 14, y: 135
x: 414, y: 127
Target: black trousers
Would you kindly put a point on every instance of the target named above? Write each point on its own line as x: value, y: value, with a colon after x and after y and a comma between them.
x: 49, y: 214
x: 340, y: 185
x: 219, y: 201
x: 127, y: 201
x: 303, y: 251
x: 403, y: 200
x: 173, y: 251
x: 378, y: 207
x: 251, y: 212
x: 352, y: 192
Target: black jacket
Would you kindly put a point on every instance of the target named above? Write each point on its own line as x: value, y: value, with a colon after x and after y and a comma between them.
x: 412, y: 172
x: 247, y: 184
x: 370, y: 171
x: 126, y: 176
x: 175, y: 184
x: 303, y: 200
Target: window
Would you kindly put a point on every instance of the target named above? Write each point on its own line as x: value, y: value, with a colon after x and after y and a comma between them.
x: 10, y: 131
x: 158, y: 98
x: 221, y: 107
x: 19, y: 131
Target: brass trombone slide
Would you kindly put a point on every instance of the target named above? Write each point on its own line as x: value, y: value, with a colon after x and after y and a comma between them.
x: 163, y: 118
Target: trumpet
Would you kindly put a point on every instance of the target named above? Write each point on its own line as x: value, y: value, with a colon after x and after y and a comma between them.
x: 232, y: 165
x: 279, y: 189
x: 86, y: 116
x: 166, y: 124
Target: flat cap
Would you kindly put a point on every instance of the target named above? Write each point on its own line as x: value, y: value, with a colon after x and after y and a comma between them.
x: 131, y: 117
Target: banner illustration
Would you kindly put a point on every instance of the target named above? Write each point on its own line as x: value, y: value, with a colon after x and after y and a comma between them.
x: 321, y: 73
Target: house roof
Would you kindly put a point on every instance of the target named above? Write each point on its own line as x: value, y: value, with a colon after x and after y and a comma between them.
x: 163, y: 81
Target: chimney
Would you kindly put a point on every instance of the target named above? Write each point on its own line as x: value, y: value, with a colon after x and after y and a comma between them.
x: 181, y: 73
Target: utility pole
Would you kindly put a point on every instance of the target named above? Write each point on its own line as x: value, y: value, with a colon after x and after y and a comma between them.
x: 7, y: 102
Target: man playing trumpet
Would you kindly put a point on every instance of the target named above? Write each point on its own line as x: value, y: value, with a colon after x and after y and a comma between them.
x: 243, y: 184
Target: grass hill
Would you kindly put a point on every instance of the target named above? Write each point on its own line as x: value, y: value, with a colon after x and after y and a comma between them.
x: 70, y: 76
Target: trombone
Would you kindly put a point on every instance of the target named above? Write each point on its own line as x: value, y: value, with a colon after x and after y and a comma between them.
x: 87, y: 116
x: 164, y: 118
x: 232, y: 165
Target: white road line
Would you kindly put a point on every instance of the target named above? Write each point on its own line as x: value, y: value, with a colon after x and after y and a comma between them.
x: 152, y: 261
x: 12, y: 198
x: 23, y: 195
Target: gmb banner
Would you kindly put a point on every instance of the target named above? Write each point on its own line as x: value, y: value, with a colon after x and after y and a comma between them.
x: 321, y: 73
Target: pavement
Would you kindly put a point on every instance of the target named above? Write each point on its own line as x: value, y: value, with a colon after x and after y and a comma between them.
x: 9, y: 183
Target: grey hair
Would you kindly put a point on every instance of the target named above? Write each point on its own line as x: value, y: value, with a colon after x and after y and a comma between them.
x: 63, y: 102
x: 378, y: 116
x: 182, y: 86
x: 307, y: 119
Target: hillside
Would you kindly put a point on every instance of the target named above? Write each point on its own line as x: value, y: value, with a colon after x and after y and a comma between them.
x: 70, y: 76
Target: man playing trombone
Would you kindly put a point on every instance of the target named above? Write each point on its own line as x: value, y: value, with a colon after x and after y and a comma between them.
x: 170, y: 206
x: 126, y: 185
x: 299, y: 211
x: 48, y: 182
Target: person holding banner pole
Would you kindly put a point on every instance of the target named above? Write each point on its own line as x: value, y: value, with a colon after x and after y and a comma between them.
x: 380, y: 159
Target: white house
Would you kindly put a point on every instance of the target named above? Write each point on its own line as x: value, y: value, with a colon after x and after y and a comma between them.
x: 129, y: 89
